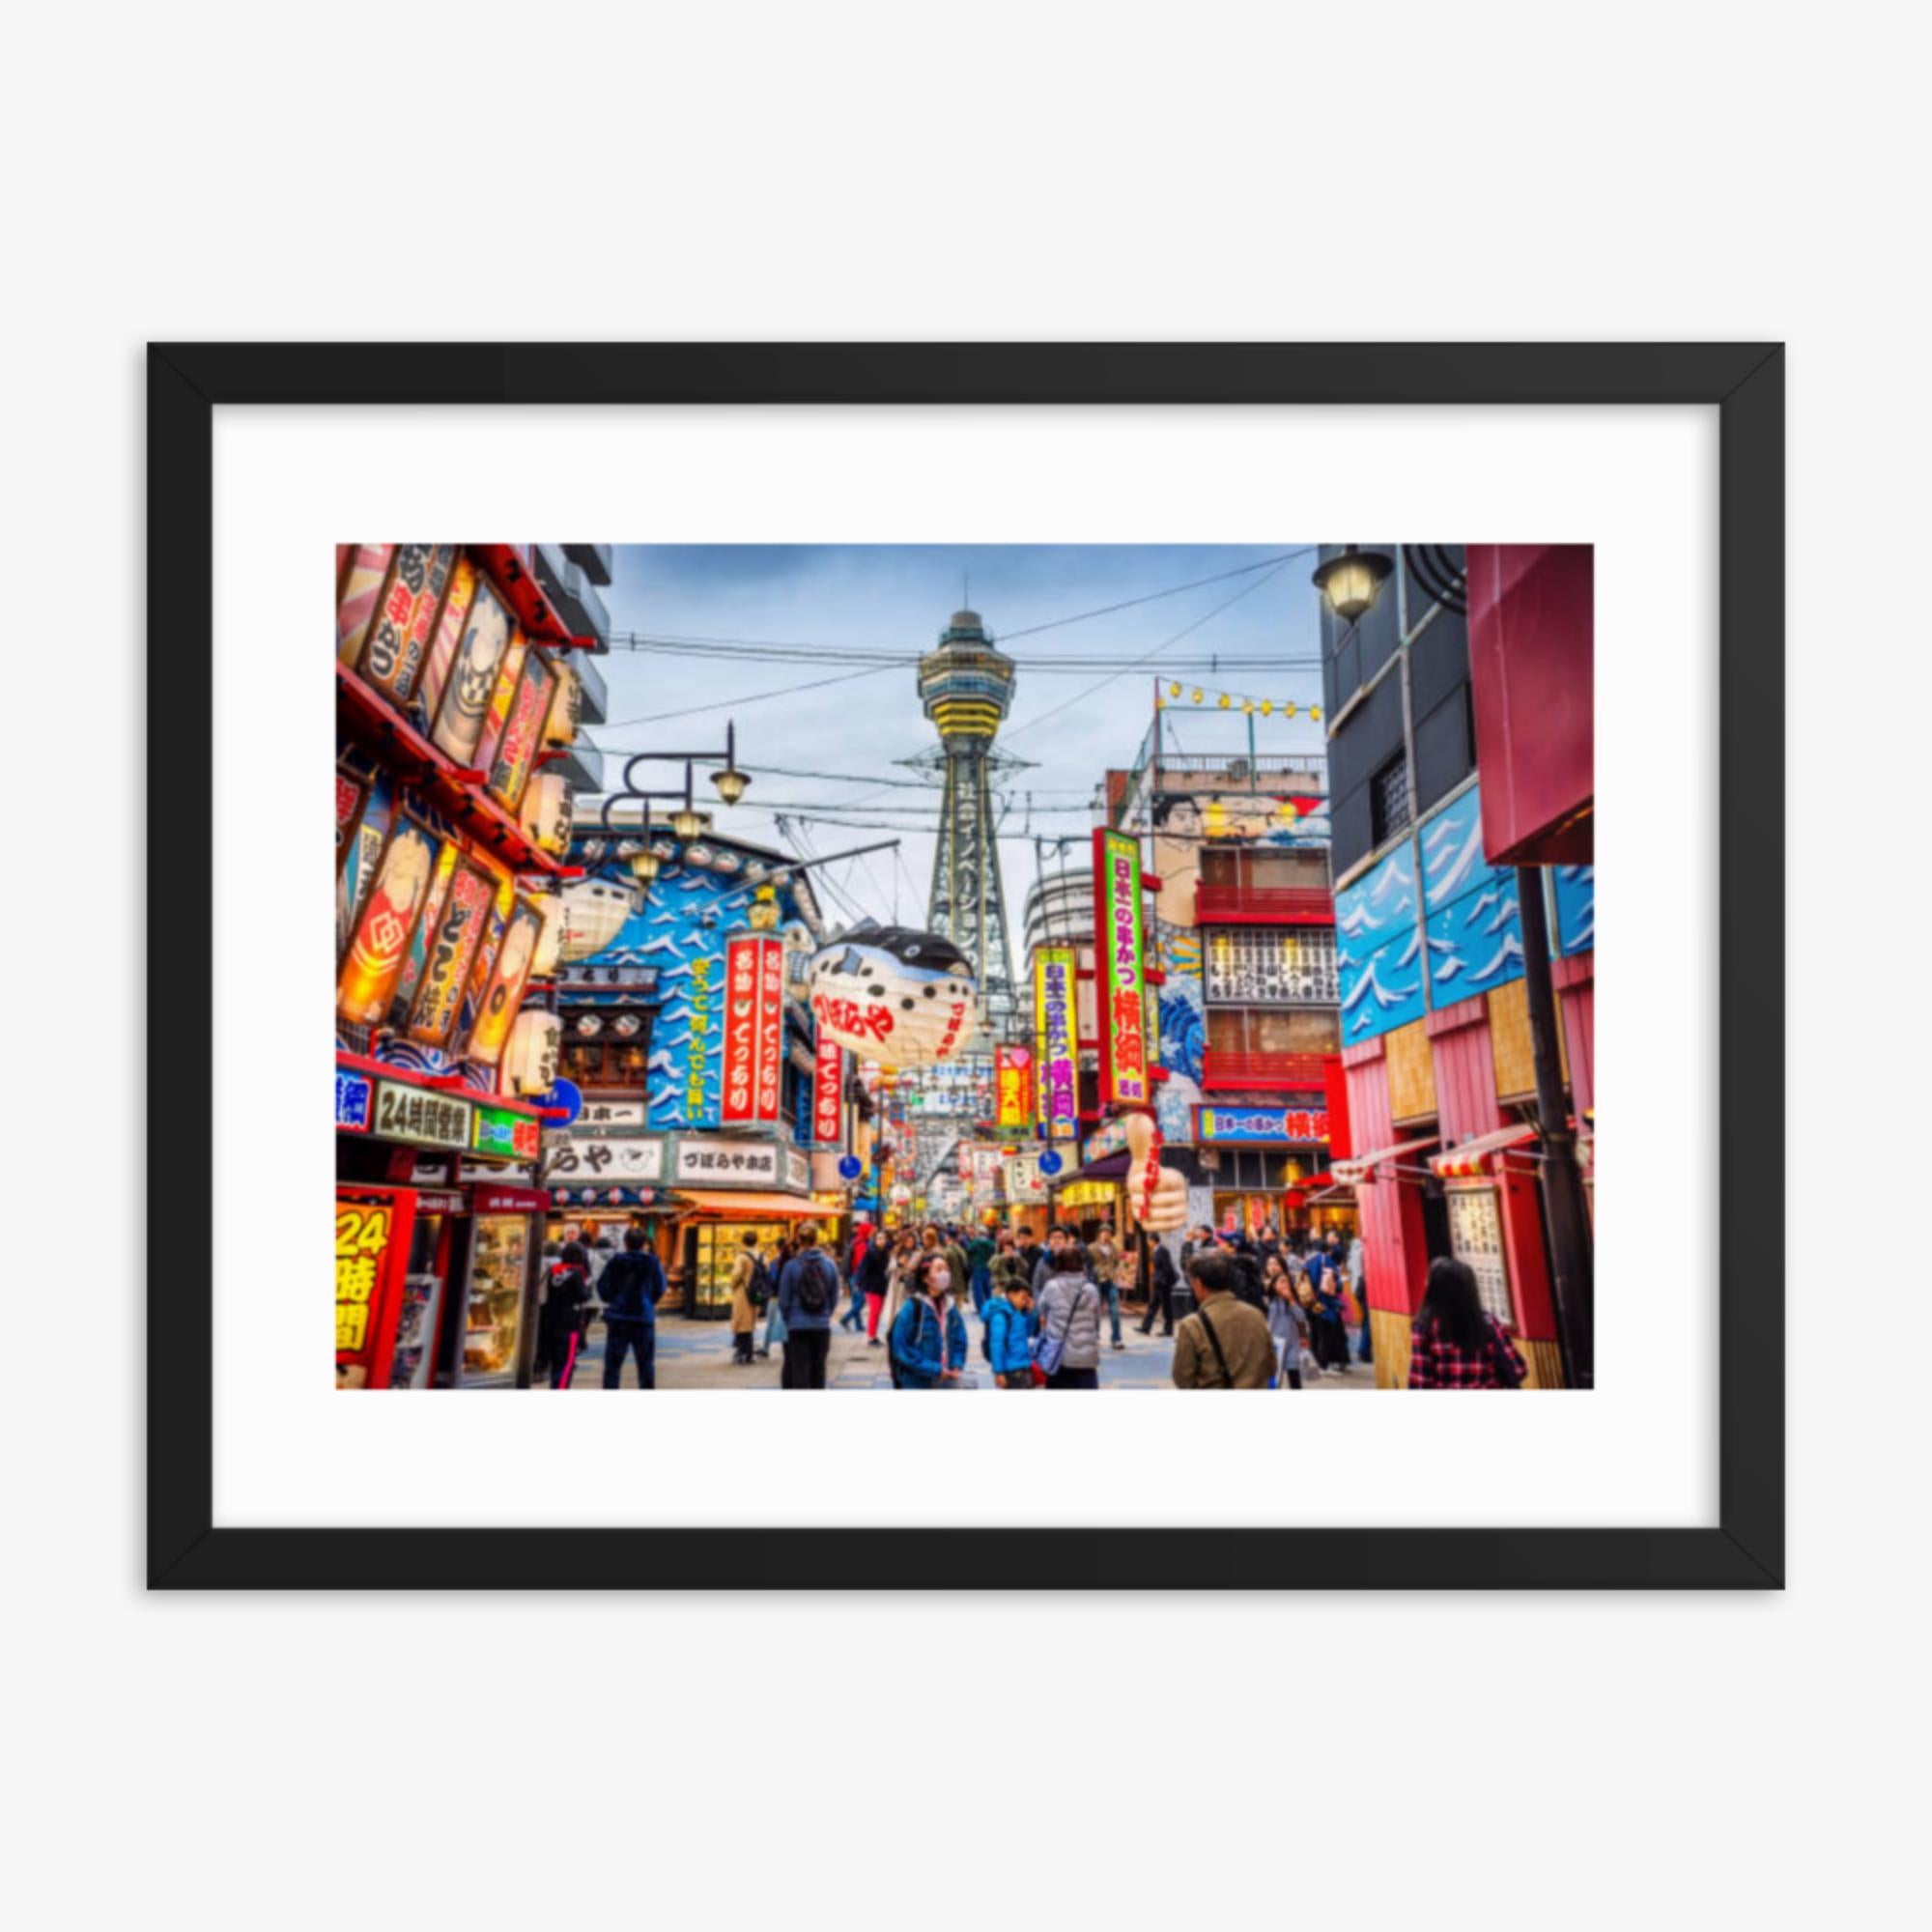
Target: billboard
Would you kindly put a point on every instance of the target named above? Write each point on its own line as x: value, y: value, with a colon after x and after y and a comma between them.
x: 1121, y: 944
x: 1058, y: 1107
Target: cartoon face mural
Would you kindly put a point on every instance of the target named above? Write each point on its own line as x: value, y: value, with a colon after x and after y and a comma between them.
x: 459, y: 725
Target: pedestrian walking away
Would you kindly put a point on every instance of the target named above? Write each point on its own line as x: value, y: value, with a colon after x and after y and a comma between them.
x: 1456, y: 1342
x: 807, y: 1294
x: 566, y: 1313
x: 1225, y: 1343
x: 630, y: 1287
x: 750, y: 1287
x: 1068, y: 1322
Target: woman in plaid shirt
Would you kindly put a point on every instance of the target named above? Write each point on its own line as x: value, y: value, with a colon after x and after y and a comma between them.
x: 1455, y: 1343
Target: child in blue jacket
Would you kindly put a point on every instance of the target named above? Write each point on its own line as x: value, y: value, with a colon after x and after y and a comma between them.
x: 929, y: 1338
x: 1008, y: 1339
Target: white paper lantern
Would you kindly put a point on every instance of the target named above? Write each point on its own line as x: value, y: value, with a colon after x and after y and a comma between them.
x: 896, y: 996
x: 529, y: 1061
x: 549, y: 941
x: 546, y: 812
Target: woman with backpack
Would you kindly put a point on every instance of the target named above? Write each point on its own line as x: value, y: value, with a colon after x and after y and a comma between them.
x: 929, y: 1338
x: 747, y: 1275
x: 1456, y: 1342
x: 1067, y: 1326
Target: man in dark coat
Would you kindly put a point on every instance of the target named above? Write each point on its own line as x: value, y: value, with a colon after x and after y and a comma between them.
x: 631, y: 1287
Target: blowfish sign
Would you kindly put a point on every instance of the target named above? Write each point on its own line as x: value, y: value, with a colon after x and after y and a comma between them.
x: 903, y: 999
x: 753, y: 1029
x: 1123, y: 1042
x: 1053, y: 1041
x: 1012, y: 1070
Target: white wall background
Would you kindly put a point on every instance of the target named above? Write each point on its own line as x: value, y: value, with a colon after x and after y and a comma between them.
x: 1000, y: 171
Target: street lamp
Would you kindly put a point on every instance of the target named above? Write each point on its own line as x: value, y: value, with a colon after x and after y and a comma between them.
x: 1354, y: 580
x: 645, y: 865
x: 685, y: 823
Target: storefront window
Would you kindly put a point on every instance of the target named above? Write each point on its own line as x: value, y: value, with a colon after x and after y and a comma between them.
x: 498, y: 1267
x: 1241, y: 1029
x: 717, y: 1250
x: 1476, y: 1236
x: 414, y: 1364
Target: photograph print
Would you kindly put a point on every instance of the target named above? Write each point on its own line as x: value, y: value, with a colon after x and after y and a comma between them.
x: 1005, y: 969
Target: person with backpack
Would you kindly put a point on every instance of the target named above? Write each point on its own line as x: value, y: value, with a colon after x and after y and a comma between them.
x: 808, y: 1294
x: 1006, y: 1339
x: 1455, y: 1342
x: 1224, y: 1343
x: 928, y: 1339
x: 980, y: 1272
x: 560, y: 1329
x: 630, y: 1287
x: 751, y: 1289
x: 1068, y: 1329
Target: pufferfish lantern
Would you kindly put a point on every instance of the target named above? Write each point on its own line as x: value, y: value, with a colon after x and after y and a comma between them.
x: 896, y: 996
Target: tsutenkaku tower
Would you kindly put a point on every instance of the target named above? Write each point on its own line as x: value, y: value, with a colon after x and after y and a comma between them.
x: 966, y: 686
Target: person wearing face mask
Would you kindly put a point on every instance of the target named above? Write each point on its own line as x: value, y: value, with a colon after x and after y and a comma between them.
x: 928, y: 1337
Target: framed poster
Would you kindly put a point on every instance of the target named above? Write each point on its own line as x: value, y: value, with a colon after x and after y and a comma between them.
x: 1359, y: 863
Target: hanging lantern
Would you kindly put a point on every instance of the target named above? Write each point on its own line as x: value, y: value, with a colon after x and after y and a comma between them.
x: 1197, y: 694
x: 1224, y: 701
x: 1315, y: 714
x: 594, y: 911
x: 529, y: 1061
x: 566, y: 710
x: 764, y: 914
x: 687, y: 823
x: 1247, y: 704
x: 549, y: 941
x: 546, y: 812
x: 730, y: 783
x: 1174, y: 691
x: 902, y: 998
x: 1268, y: 707
x: 644, y: 866
x: 1288, y: 708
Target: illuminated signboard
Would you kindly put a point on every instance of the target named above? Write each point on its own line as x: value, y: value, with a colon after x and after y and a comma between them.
x: 753, y: 1031
x: 354, y: 1094
x: 1053, y: 1012
x: 513, y: 1136
x: 425, y: 1119
x: 1119, y: 955
x: 1263, y: 1123
x: 361, y: 1239
x: 828, y: 1092
x: 1014, y: 1079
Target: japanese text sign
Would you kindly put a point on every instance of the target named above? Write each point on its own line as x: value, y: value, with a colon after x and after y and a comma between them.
x: 1120, y: 957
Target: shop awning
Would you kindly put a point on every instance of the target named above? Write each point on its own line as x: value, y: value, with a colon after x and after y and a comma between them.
x: 1109, y: 1167
x: 1472, y: 1156
x: 1362, y: 1167
x: 742, y: 1205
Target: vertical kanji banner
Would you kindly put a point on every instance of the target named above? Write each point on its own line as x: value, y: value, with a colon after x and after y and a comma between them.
x: 1120, y: 944
x: 828, y: 1092
x: 1054, y: 1046
x: 742, y: 1031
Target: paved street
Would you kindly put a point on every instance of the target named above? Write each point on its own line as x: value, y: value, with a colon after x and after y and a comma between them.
x: 697, y: 1355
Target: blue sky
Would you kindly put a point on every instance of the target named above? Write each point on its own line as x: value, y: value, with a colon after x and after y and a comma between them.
x: 899, y: 598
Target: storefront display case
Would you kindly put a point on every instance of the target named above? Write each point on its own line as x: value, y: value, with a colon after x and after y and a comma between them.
x: 497, y: 1293
x: 713, y: 1248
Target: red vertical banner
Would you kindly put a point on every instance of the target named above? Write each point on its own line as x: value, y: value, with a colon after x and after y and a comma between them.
x: 1013, y: 1075
x: 771, y: 1029
x: 828, y: 1092
x: 741, y: 1030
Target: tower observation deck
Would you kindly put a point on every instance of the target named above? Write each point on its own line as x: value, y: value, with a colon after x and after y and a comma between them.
x: 966, y: 686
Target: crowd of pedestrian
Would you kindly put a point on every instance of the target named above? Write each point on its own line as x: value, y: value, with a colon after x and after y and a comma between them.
x: 1263, y: 1310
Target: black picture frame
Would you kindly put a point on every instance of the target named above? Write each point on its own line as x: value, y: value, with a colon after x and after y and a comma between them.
x: 1746, y: 381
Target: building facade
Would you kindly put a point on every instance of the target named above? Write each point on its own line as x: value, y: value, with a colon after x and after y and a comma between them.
x: 460, y: 686
x: 1437, y: 1048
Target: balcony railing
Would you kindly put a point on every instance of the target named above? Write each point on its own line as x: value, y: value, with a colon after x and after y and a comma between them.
x: 1223, y: 1072
x: 1262, y: 905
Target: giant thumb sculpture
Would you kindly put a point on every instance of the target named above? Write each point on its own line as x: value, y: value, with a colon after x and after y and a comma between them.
x: 1157, y: 1195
